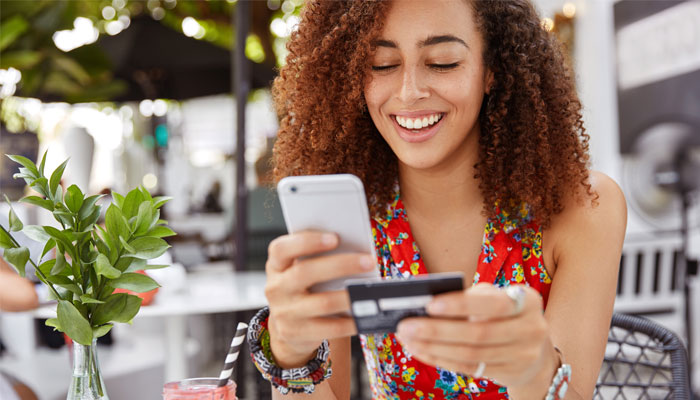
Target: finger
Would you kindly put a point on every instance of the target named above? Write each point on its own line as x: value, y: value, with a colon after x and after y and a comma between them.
x: 457, y: 353
x: 283, y: 250
x: 460, y: 367
x: 486, y: 332
x: 315, y: 329
x: 310, y: 271
x: 483, y: 301
x: 324, y: 304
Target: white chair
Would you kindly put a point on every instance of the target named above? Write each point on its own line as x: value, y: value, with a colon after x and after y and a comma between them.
x: 651, y: 280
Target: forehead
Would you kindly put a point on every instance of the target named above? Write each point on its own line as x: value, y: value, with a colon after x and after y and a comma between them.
x: 410, y: 21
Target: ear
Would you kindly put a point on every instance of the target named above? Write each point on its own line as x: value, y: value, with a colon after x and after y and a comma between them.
x: 488, y: 81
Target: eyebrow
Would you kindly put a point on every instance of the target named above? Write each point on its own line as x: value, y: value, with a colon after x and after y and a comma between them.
x: 430, y: 41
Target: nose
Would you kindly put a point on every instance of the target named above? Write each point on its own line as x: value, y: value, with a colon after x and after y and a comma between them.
x: 413, y: 86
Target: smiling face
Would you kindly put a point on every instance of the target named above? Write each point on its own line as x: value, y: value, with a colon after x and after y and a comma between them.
x: 427, y: 83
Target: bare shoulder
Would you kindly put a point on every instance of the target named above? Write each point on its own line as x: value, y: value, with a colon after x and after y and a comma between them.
x: 600, y: 216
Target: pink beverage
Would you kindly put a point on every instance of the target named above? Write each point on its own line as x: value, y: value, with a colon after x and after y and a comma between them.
x: 199, y: 389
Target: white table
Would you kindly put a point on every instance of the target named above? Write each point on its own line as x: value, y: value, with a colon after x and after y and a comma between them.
x: 215, y: 288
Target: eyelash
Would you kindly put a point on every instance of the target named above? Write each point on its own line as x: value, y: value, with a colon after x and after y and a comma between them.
x: 439, y: 67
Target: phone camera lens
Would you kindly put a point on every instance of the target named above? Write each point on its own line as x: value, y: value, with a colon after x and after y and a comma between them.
x: 293, y: 189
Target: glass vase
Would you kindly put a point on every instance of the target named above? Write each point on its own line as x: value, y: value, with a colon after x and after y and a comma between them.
x: 87, y: 382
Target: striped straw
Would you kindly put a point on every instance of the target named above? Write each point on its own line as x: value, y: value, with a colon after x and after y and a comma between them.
x: 232, y: 355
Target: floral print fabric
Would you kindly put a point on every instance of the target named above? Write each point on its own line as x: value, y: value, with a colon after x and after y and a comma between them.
x: 511, y: 254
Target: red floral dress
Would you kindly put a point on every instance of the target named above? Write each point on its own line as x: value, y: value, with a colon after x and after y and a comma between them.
x: 511, y: 253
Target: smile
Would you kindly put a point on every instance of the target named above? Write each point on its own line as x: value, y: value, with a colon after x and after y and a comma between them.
x: 418, y: 123
x: 418, y: 128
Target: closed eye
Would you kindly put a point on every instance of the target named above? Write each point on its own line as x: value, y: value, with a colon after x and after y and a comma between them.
x: 444, y: 67
x: 383, y: 67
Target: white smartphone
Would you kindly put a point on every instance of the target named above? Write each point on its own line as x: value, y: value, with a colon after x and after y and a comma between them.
x: 333, y: 203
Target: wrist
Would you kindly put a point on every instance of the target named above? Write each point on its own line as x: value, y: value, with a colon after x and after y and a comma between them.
x: 536, y: 385
x: 287, y: 356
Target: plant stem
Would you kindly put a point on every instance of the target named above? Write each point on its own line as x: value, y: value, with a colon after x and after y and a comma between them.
x: 36, y: 267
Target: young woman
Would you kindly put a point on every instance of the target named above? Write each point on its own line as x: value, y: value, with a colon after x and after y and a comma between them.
x: 462, y: 120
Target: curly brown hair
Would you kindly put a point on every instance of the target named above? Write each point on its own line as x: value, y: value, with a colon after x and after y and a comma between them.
x: 533, y: 146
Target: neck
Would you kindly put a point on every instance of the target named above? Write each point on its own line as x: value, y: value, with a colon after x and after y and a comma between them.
x: 445, y: 190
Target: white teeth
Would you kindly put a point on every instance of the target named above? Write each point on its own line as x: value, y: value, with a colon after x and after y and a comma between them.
x: 418, y: 123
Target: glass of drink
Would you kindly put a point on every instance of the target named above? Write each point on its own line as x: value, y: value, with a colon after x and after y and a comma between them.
x: 199, y: 389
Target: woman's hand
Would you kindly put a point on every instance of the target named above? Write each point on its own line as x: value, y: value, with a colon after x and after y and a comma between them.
x: 482, y: 325
x: 299, y: 320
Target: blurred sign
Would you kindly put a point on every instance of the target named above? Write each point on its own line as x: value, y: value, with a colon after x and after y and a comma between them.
x: 658, y: 64
x: 663, y: 45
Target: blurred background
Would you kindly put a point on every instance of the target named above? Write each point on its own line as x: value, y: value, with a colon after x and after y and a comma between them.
x: 174, y: 95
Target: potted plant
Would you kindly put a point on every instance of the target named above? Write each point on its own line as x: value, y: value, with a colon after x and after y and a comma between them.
x: 83, y: 263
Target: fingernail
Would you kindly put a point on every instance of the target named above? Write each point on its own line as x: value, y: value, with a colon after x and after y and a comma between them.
x: 328, y: 239
x: 366, y: 262
x: 436, y: 306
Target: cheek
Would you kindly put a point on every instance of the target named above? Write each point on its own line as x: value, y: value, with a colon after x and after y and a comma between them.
x: 375, y: 96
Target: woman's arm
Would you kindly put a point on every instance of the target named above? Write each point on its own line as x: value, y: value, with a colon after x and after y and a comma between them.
x: 16, y: 293
x: 338, y: 386
x: 587, y: 247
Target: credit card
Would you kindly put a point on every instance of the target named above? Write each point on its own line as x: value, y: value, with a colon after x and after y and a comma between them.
x: 378, y: 306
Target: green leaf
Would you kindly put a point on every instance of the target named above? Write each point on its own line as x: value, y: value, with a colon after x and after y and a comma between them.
x: 38, y: 201
x: 92, y: 219
x: 118, y: 199
x: 65, y: 282
x: 53, y: 322
x: 138, y: 283
x: 12, y: 28
x: 101, y: 330
x: 118, y: 307
x: 146, y: 194
x: 146, y: 267
x: 131, y: 203
x: 50, y: 244
x: 74, y: 198
x: 15, y: 222
x: 43, y: 163
x: 56, y: 178
x: 20, y: 59
x: 41, y: 186
x: 88, y: 206
x: 26, y: 163
x: 161, y: 232
x: 143, y: 218
x: 59, y: 265
x: 126, y: 264
x: 74, y: 324
x: 36, y: 233
x: 59, y: 236
x: 63, y: 216
x: 127, y: 246
x: 86, y: 299
x: 18, y: 257
x: 160, y: 200
x: 148, y: 247
x: 89, y: 256
x: 104, y: 268
x: 115, y: 223
x: 5, y: 240
x: 113, y: 248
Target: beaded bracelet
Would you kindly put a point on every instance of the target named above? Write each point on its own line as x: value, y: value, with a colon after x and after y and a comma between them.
x: 561, y: 380
x: 295, y: 380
